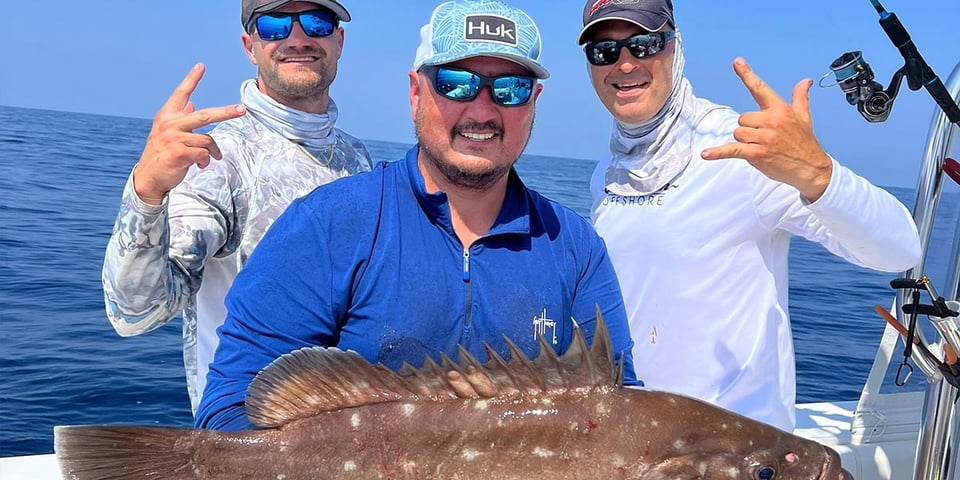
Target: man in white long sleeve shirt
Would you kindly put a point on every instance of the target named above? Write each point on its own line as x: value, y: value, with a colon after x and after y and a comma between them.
x: 697, y: 205
x: 196, y: 205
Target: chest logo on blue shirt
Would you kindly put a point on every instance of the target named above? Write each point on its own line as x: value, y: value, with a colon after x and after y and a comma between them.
x: 541, y: 323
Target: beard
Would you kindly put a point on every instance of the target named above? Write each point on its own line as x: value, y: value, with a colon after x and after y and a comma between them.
x: 469, y: 177
x: 304, y: 84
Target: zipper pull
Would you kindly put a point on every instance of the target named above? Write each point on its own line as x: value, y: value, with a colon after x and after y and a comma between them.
x: 466, y: 265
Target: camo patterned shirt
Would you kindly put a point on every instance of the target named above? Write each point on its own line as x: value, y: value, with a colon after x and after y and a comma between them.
x: 181, y: 257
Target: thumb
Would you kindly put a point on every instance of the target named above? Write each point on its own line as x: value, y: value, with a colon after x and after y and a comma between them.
x: 801, y: 99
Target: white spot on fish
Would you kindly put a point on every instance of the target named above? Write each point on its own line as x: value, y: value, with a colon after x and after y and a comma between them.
x: 355, y: 420
x: 654, y: 424
x: 281, y: 477
x: 679, y: 445
x: 543, y: 452
x: 470, y: 454
x: 733, y: 472
x: 410, y: 468
x: 408, y: 409
x: 481, y: 405
x: 349, y: 466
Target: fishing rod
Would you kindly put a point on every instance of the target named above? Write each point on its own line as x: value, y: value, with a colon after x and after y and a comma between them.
x: 874, y: 103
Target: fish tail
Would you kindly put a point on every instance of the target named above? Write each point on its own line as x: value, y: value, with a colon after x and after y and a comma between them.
x: 118, y: 452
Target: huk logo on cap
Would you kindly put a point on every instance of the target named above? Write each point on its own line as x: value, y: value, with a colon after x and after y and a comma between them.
x: 490, y: 28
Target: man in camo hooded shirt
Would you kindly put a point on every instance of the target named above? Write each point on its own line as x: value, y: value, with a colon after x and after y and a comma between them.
x: 196, y: 205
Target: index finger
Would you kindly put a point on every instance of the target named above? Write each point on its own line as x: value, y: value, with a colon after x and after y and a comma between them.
x: 761, y: 92
x: 202, y: 118
x: 181, y: 94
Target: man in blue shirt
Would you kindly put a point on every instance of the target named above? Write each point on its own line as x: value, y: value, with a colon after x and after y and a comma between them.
x: 444, y: 248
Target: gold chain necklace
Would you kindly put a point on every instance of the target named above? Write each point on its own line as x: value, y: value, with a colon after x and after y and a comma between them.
x: 310, y: 155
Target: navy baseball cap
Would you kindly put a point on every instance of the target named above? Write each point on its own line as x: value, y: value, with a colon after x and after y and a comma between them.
x: 651, y: 15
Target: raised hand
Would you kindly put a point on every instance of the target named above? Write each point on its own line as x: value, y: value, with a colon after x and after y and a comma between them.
x: 172, y: 147
x: 778, y: 140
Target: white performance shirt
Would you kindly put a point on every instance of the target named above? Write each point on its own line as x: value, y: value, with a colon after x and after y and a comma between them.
x: 703, y: 268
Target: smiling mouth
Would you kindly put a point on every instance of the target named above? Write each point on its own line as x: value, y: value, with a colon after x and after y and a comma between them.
x: 303, y: 59
x: 628, y: 87
x: 477, y: 136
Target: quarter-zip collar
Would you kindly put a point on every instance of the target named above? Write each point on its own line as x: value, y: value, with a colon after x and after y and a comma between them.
x: 514, y: 216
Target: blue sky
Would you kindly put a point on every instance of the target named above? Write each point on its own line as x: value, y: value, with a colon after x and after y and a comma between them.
x: 125, y: 57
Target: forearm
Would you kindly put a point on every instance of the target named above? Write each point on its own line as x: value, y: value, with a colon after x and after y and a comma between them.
x: 225, y: 414
x: 866, y: 225
x: 155, y: 259
x: 143, y: 288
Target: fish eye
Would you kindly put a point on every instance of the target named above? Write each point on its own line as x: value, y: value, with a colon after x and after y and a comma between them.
x: 766, y: 472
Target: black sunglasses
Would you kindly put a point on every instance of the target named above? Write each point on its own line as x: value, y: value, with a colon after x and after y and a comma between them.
x: 278, y: 25
x: 464, y: 85
x: 607, y: 52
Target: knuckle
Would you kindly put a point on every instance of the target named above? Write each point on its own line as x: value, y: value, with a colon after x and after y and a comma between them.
x: 208, y: 141
x: 203, y: 116
x: 739, y: 134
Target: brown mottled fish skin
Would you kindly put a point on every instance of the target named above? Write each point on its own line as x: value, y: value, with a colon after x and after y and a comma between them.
x: 555, y: 417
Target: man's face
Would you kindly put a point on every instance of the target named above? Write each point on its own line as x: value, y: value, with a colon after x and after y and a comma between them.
x: 470, y: 144
x: 298, y: 68
x: 633, y: 89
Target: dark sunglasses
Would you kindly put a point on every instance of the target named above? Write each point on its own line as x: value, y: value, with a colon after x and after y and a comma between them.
x: 607, y: 52
x: 278, y: 25
x: 463, y: 85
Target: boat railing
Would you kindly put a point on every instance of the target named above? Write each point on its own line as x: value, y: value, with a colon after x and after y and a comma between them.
x: 938, y: 442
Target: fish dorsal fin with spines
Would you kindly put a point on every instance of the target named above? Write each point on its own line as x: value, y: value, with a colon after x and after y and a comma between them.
x: 311, y: 380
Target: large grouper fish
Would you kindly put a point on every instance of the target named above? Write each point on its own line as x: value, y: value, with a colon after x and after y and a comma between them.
x: 324, y: 413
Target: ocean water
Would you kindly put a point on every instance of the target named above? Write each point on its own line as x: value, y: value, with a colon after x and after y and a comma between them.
x: 61, y: 175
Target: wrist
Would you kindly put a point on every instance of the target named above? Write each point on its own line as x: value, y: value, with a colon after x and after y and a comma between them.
x: 144, y: 192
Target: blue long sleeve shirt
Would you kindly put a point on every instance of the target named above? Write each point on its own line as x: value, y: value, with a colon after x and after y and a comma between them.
x: 371, y: 263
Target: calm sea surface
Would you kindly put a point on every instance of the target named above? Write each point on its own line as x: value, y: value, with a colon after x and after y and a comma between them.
x: 61, y: 175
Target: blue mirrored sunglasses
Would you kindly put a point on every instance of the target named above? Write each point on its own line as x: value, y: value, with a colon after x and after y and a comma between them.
x: 464, y: 85
x: 607, y: 52
x: 278, y: 25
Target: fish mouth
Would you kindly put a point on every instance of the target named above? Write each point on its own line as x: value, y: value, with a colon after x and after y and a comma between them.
x: 832, y: 469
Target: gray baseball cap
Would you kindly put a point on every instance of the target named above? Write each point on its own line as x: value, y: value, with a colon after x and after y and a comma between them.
x: 651, y: 15
x: 480, y: 28
x: 251, y: 8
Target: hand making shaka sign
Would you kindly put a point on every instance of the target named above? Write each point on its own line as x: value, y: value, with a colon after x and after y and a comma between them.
x: 778, y: 140
x: 172, y: 146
